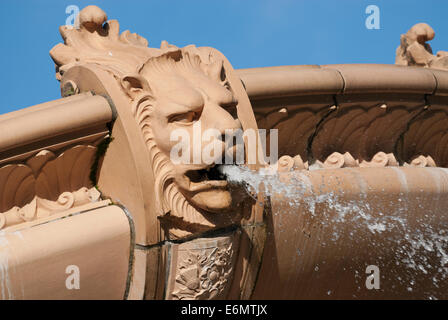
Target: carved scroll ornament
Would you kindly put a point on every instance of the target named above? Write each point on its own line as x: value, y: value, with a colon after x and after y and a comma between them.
x: 346, y: 160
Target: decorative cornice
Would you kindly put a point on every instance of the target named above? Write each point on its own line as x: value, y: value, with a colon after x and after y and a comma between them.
x: 346, y: 160
x: 53, y: 126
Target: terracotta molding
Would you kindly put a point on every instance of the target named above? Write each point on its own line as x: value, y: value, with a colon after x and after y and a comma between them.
x: 45, y: 105
x: 40, y: 208
x: 76, y: 118
x: 35, y: 259
x: 346, y: 160
x: 62, y: 118
x: 265, y: 83
x: 371, y: 111
x: 59, y: 215
x: 442, y: 82
x: 278, y: 69
x: 262, y: 83
x: 384, y: 78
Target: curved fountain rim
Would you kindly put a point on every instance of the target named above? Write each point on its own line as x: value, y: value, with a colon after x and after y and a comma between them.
x: 341, y: 79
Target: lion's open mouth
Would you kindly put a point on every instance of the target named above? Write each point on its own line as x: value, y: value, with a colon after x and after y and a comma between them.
x: 210, y: 174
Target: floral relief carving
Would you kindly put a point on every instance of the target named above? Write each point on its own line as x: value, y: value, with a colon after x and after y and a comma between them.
x: 46, y: 184
x: 204, y: 275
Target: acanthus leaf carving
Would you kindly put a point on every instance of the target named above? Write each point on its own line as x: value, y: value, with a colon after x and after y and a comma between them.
x: 67, y: 172
x: 46, y: 185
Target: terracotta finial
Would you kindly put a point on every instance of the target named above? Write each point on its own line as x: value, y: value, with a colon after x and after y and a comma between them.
x: 415, y: 51
x: 92, y: 16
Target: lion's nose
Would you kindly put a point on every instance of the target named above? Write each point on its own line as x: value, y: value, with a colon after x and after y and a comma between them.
x: 220, y: 119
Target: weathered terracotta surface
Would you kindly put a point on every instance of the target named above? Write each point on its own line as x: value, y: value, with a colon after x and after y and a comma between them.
x: 360, y: 178
x: 34, y: 259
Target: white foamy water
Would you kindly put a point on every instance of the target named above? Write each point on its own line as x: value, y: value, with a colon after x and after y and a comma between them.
x: 415, y: 244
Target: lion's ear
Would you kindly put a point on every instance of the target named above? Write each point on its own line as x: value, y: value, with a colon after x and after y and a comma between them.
x: 134, y: 85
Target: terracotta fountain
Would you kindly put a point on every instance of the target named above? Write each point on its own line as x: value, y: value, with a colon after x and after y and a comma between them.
x: 87, y: 182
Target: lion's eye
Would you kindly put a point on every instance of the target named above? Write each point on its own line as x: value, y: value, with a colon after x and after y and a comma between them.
x: 184, y: 118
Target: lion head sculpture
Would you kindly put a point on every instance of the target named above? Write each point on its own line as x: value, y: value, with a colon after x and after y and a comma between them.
x: 168, y: 89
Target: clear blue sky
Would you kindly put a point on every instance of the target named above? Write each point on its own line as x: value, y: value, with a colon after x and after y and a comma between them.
x: 251, y: 33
